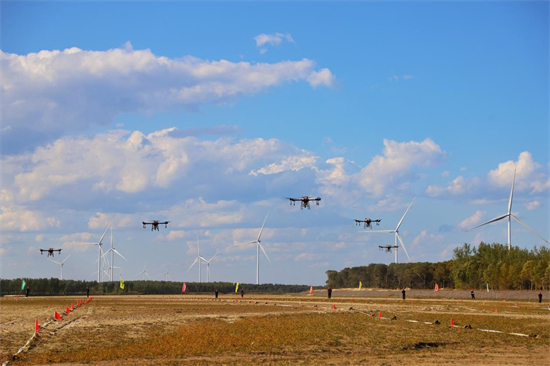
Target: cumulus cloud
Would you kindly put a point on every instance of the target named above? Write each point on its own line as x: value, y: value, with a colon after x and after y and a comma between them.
x: 532, y: 205
x: 424, y: 238
x: 395, y: 165
x: 18, y: 218
x: 272, y: 39
x: 528, y: 174
x: 472, y: 220
x: 48, y: 93
x: 173, y: 235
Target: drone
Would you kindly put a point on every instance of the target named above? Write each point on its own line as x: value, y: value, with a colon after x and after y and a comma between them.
x: 50, y: 251
x: 304, y: 201
x: 155, y: 224
x: 368, y: 222
x: 387, y: 248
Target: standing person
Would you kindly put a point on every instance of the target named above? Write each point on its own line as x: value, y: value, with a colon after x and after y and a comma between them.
x: 242, y: 292
x: 216, y: 293
x: 403, y: 293
x: 329, y: 292
x: 540, y: 297
x: 473, y: 294
x: 87, y: 291
x: 27, y: 291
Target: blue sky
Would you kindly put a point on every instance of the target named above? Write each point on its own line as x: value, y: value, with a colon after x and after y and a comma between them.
x: 209, y: 114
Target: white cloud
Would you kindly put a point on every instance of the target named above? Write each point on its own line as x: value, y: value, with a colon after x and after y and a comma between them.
x: 173, y: 235
x: 272, y: 39
x: 308, y: 257
x: 532, y: 205
x: 472, y: 220
x: 395, y: 165
x: 18, y: 218
x: 528, y: 174
x: 445, y: 173
x: 294, y: 163
x: 50, y: 93
x: 457, y: 187
x: 423, y: 238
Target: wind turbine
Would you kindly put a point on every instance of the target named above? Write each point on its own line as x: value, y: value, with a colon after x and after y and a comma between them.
x: 258, y: 247
x: 208, y: 266
x: 198, y: 259
x: 167, y: 275
x: 144, y: 272
x: 510, y: 216
x: 112, y: 250
x: 396, y: 232
x: 60, y: 264
x: 99, y: 243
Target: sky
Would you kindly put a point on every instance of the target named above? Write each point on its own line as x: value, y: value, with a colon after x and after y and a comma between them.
x: 210, y: 114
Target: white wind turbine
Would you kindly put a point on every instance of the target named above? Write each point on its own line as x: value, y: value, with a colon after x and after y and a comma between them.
x: 112, y: 250
x: 99, y: 243
x: 60, y: 264
x: 144, y: 272
x: 510, y: 216
x: 167, y: 275
x: 396, y: 232
x: 258, y: 247
x: 198, y: 259
x: 208, y: 266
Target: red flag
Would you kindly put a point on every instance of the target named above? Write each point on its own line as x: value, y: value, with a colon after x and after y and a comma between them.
x: 436, y: 288
x: 36, y: 326
x: 57, y: 316
x: 452, y: 322
x: 334, y: 306
x: 380, y: 314
x: 311, y: 290
x: 67, y: 310
x: 72, y: 306
x: 183, y: 288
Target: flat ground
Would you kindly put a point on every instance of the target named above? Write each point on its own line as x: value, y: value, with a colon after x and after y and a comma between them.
x: 281, y: 329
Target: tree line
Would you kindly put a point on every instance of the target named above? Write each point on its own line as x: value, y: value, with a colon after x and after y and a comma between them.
x: 471, y: 267
x: 54, y: 287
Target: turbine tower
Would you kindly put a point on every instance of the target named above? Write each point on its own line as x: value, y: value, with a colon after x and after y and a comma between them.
x: 112, y: 250
x: 60, y: 264
x: 208, y: 266
x: 396, y: 232
x: 99, y: 243
x: 144, y: 272
x: 510, y: 216
x: 198, y: 259
x: 258, y: 247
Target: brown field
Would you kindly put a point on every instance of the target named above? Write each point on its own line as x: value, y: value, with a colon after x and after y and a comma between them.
x: 281, y: 329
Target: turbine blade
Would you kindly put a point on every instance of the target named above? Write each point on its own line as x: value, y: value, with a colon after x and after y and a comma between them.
x: 107, y: 252
x: 246, y: 242
x: 378, y: 231
x: 193, y: 264
x: 102, y: 236
x: 66, y: 258
x: 403, y: 218
x: 262, y: 229
x: 213, y: 257
x: 489, y: 222
x: 51, y: 260
x: 534, y: 232
x: 512, y: 192
x: 116, y: 251
x: 263, y: 250
x: 403, y: 245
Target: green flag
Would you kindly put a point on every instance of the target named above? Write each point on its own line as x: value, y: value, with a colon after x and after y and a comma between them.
x: 23, y: 285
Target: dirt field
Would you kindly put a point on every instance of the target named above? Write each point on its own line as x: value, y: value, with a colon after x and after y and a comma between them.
x: 290, y: 330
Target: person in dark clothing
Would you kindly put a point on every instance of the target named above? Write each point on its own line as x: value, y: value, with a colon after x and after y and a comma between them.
x: 242, y: 292
x: 329, y: 292
x: 87, y: 291
x: 216, y: 293
x: 540, y: 297
x: 403, y: 293
x: 473, y: 294
x: 27, y: 291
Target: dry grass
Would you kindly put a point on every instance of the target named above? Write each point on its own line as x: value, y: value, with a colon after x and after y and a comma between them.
x: 153, y: 330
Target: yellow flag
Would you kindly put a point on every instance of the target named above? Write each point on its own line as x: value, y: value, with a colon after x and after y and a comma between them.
x: 237, y: 288
x: 122, y: 283
x: 360, y: 285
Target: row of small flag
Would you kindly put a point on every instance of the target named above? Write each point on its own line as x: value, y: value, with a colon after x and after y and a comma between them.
x: 68, y: 310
